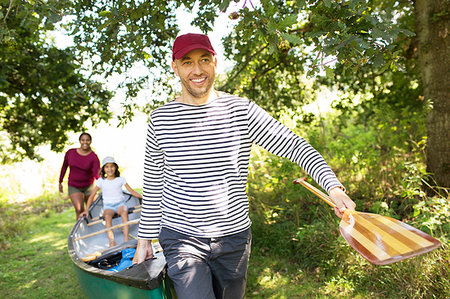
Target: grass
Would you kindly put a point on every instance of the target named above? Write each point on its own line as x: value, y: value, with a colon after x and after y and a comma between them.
x: 274, y: 277
x: 34, y: 261
x: 36, y: 265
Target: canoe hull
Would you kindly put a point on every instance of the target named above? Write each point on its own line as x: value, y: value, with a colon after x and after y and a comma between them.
x: 87, y: 238
x: 96, y: 287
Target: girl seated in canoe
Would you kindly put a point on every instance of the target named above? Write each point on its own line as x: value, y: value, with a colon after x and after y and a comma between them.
x: 111, y: 184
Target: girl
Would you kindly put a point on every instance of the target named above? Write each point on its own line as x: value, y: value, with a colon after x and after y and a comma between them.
x: 113, y: 200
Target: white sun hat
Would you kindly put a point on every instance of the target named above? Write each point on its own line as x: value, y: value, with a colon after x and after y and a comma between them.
x: 107, y: 160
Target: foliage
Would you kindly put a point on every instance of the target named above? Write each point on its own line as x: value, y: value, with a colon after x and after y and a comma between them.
x: 122, y: 34
x: 118, y: 34
x: 271, y: 43
x: 363, y: 47
x: 381, y: 179
x: 377, y: 148
x: 43, y: 94
x: 280, y: 42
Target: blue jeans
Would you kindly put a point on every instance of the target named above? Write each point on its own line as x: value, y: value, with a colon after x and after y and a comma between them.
x: 207, y: 267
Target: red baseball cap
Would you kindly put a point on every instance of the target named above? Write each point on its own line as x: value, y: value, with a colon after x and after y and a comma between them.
x: 187, y: 42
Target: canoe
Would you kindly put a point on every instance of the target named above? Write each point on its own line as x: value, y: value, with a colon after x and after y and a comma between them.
x: 105, y: 272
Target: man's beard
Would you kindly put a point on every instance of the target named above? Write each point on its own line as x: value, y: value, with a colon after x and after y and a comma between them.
x: 197, y: 92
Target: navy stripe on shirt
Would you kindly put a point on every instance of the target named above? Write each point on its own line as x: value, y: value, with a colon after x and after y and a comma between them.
x: 196, y: 165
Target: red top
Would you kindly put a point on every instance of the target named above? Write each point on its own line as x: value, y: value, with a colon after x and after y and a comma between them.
x: 83, y: 169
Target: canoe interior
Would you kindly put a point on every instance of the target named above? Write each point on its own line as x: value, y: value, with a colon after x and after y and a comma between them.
x: 145, y: 280
x: 100, y: 242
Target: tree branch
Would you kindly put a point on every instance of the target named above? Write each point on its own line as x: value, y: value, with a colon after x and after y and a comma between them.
x: 243, y: 67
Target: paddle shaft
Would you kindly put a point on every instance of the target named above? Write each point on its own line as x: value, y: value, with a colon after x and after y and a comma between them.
x: 316, y: 191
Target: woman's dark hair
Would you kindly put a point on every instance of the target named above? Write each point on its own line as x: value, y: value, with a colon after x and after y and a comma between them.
x: 116, y: 173
x: 85, y: 133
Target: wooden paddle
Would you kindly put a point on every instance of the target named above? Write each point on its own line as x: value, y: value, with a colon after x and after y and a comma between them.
x: 379, y: 239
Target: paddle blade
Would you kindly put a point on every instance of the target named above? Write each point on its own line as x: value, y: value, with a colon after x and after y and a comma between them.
x: 383, y: 240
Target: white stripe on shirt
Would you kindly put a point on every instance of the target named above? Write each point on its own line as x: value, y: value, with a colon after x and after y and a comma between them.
x: 196, y: 165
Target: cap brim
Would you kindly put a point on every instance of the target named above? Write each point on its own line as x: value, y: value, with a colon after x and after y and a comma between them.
x: 186, y: 50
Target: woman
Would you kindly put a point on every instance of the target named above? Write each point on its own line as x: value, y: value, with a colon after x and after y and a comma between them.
x: 84, y: 169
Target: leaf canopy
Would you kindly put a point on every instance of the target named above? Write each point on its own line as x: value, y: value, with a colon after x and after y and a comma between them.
x: 43, y: 93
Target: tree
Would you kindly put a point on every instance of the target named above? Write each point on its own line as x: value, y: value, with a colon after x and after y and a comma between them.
x: 120, y: 34
x: 43, y: 94
x: 374, y: 49
x: 432, y: 28
x: 276, y: 42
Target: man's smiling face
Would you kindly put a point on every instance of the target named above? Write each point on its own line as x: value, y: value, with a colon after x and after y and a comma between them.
x: 197, y: 72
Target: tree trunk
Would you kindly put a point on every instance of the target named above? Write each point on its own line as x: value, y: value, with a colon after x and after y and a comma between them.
x: 433, y: 30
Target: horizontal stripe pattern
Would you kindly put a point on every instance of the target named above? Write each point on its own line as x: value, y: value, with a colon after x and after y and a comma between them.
x: 196, y: 165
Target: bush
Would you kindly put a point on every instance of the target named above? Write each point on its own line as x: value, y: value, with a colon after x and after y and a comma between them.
x: 381, y: 162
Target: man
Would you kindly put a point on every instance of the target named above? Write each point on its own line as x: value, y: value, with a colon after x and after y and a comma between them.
x: 195, y: 175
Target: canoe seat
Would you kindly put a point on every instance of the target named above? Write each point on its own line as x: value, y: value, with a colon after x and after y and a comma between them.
x: 130, y: 211
x: 99, y: 219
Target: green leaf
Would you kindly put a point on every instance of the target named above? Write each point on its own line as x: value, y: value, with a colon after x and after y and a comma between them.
x: 407, y: 32
x: 300, y: 3
x: 54, y: 18
x: 377, y: 33
x: 272, y: 48
x: 353, y: 4
x: 292, y: 38
x: 329, y: 72
x: 288, y: 21
x: 224, y: 5
x: 378, y: 61
x: 271, y: 27
x: 327, y: 3
x: 104, y: 13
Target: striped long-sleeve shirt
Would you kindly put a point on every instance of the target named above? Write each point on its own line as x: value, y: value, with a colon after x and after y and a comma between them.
x: 196, y: 165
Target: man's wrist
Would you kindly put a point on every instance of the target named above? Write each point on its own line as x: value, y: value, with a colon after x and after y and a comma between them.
x: 337, y: 187
x: 144, y: 242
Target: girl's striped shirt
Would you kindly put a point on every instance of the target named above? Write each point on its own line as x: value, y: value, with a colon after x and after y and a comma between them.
x: 196, y: 165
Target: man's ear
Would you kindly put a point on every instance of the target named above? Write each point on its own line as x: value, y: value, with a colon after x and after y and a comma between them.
x: 174, y: 67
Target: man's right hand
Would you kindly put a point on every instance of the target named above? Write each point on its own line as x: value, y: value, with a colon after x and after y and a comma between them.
x: 60, y: 187
x: 144, y: 251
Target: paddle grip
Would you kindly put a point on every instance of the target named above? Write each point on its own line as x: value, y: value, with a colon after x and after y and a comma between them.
x: 323, y: 196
